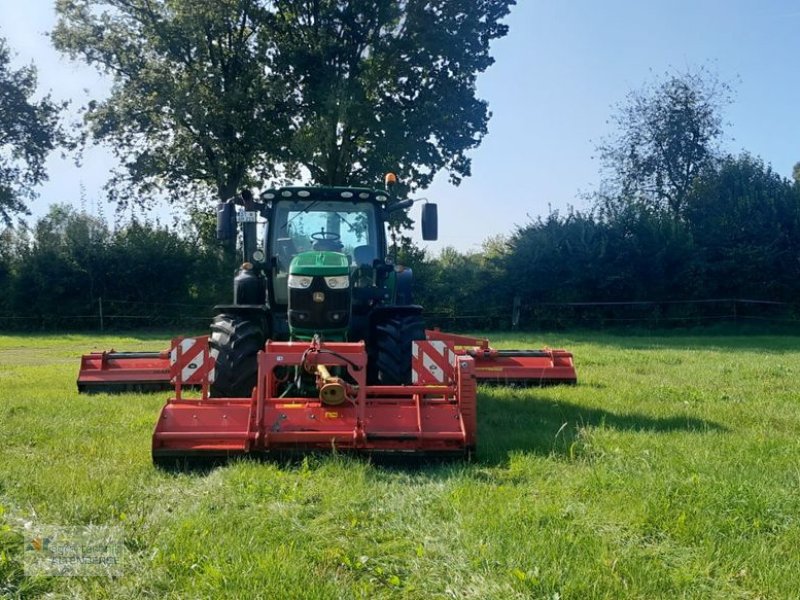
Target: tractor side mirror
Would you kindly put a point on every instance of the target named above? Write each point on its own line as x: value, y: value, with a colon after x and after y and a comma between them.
x: 430, y: 222
x: 226, y: 222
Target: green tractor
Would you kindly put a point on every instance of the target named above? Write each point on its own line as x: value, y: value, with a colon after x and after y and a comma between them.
x: 323, y: 270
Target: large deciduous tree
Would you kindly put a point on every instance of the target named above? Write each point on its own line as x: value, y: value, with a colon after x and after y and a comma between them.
x: 668, y: 134
x: 386, y: 84
x: 191, y: 107
x: 29, y: 131
x: 233, y: 92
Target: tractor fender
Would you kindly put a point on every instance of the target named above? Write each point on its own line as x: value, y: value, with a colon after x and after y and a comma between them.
x: 255, y: 312
x: 404, y: 286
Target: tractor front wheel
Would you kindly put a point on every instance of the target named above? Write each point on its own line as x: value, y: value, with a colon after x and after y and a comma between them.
x: 235, y: 342
x: 392, y: 348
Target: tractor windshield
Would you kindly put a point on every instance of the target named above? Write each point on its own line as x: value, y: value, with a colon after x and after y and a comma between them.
x: 347, y: 227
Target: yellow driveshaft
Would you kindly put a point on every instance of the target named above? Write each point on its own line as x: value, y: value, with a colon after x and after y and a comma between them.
x: 331, y: 389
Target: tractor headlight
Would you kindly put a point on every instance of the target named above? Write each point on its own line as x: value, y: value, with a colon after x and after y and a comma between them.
x: 339, y: 282
x: 300, y: 282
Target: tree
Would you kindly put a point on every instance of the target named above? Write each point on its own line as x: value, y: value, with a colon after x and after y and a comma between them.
x: 667, y: 135
x: 191, y: 107
x: 28, y: 132
x: 796, y: 172
x: 386, y: 84
x: 557, y: 258
x: 230, y: 93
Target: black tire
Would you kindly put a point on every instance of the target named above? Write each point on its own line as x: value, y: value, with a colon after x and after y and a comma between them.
x: 235, y: 342
x: 392, y: 348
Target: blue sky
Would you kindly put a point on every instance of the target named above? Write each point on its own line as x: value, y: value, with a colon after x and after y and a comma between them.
x: 552, y: 89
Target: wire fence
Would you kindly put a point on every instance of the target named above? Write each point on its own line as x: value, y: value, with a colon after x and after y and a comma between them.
x: 655, y: 314
x: 113, y: 315
x: 670, y: 313
x: 119, y: 315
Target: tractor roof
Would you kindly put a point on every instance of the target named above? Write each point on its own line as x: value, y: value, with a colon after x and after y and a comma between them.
x: 327, y: 193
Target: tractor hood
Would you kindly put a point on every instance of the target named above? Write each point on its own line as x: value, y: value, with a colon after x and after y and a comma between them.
x: 319, y: 295
x: 319, y: 264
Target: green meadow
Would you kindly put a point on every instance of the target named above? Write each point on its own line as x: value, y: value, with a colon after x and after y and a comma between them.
x: 672, y: 470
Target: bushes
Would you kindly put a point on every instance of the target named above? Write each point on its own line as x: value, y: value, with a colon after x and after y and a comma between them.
x: 55, y: 274
x: 736, y: 236
x: 746, y: 221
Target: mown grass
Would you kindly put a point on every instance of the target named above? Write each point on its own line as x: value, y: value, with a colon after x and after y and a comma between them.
x: 670, y: 471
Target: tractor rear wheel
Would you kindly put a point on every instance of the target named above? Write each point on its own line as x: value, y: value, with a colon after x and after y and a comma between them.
x: 235, y: 342
x: 392, y: 348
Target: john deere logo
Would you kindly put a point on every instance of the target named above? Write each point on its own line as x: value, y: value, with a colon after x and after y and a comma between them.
x: 319, y: 297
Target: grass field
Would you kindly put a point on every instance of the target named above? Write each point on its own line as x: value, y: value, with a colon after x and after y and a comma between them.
x: 671, y: 471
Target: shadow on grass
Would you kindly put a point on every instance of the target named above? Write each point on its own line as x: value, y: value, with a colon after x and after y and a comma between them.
x: 509, y: 424
x: 506, y: 424
x: 509, y: 421
x: 419, y: 463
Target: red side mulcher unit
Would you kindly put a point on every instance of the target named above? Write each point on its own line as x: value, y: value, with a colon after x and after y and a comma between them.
x: 511, y: 367
x: 434, y: 416
x: 121, y: 371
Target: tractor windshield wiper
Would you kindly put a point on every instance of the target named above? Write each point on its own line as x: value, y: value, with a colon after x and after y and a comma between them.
x: 302, y: 212
x: 348, y: 223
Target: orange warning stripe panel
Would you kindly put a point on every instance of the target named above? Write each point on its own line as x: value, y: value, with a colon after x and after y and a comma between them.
x: 191, y: 362
x: 432, y: 362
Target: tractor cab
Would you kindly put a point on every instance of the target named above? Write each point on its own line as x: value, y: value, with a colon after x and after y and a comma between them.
x: 329, y: 257
x: 305, y: 226
x: 321, y: 270
x: 298, y: 225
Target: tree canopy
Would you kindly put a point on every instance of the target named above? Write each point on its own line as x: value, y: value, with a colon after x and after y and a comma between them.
x: 29, y: 130
x: 191, y: 106
x: 667, y: 135
x: 386, y: 84
x: 235, y: 92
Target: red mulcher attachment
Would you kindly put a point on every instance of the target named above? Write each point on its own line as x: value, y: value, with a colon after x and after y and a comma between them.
x: 434, y: 416
x: 142, y: 371
x: 511, y: 367
x: 123, y: 371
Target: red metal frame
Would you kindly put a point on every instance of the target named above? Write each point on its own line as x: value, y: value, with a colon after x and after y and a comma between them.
x: 545, y: 366
x: 429, y: 419
x: 117, y: 371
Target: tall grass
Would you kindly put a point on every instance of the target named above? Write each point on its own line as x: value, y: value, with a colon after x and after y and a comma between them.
x: 670, y: 471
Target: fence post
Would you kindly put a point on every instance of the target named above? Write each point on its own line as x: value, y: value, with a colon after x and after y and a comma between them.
x: 102, y: 325
x: 515, y: 313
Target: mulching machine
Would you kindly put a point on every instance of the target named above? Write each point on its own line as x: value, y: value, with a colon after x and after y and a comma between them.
x: 323, y: 347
